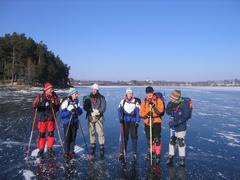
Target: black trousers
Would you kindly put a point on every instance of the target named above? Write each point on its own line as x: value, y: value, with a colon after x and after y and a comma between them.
x: 70, y: 136
x: 156, y: 133
x: 130, y: 128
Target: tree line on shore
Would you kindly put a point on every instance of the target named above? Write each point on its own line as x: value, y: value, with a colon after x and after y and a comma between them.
x: 24, y: 61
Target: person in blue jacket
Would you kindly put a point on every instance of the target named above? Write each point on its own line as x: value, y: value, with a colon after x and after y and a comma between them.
x: 70, y: 110
x: 180, y: 111
x: 128, y: 113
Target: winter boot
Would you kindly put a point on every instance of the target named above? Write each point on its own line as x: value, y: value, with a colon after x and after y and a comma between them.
x: 73, y: 155
x: 182, y: 161
x: 134, y: 156
x: 158, y: 159
x: 40, y: 154
x: 101, y: 151
x: 50, y: 152
x: 93, y: 149
x: 121, y: 157
x: 169, y: 160
x: 66, y: 155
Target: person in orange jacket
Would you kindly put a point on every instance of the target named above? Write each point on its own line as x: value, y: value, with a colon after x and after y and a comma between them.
x: 153, y: 107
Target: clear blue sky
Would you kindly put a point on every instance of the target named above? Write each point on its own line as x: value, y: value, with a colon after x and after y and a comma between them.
x: 134, y: 39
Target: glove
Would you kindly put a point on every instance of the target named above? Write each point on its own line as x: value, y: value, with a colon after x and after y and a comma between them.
x: 121, y: 121
x: 171, y: 124
x: 98, y: 116
x: 152, y: 104
x: 70, y: 108
x: 150, y: 114
x: 96, y: 111
x: 136, y: 124
x: 41, y: 102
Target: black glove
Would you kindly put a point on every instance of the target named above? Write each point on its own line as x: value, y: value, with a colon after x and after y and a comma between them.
x: 152, y: 104
x: 41, y: 104
x: 150, y: 114
x: 136, y: 124
x: 121, y: 121
x: 51, y: 104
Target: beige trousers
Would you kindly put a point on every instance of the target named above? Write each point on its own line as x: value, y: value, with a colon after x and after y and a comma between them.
x: 96, y: 127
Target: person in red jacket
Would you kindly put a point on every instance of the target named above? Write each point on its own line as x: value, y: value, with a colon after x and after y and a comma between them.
x: 46, y: 104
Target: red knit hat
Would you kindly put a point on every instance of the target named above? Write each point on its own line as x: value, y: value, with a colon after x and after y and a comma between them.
x: 47, y: 85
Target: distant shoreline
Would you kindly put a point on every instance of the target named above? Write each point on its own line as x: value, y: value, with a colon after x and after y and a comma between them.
x: 28, y: 87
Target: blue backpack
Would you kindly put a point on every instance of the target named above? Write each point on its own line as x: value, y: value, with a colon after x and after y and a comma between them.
x: 188, y: 104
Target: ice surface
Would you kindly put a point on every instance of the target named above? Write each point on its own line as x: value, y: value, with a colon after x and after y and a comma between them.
x: 213, y: 139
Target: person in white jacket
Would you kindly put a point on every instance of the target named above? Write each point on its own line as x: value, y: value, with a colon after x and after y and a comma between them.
x: 128, y: 113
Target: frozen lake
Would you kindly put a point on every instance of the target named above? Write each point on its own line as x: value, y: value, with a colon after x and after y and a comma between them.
x: 213, y: 139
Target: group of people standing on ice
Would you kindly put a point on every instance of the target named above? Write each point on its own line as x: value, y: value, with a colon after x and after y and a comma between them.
x: 131, y: 111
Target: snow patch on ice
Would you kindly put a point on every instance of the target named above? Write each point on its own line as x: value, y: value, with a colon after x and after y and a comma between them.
x: 14, y: 143
x: 207, y: 139
x: 34, y: 153
x: 204, y: 114
x: 78, y: 149
x: 233, y: 138
x: 28, y: 175
x: 190, y: 147
x: 231, y: 125
x: 233, y: 145
x: 221, y: 175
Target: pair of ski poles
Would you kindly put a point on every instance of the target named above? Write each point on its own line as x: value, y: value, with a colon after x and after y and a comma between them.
x: 33, y: 125
x: 81, y: 132
x: 122, y: 140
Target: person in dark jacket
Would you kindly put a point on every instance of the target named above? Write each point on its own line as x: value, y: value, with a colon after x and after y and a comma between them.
x: 70, y: 110
x: 180, y: 110
x: 46, y: 104
x: 128, y: 113
x: 95, y: 106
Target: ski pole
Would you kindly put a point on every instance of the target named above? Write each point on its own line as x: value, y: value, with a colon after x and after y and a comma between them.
x: 33, y: 124
x: 123, y: 142
x: 151, y: 147
x: 68, y: 126
x: 58, y: 130
x: 172, y: 130
x: 119, y: 143
x: 83, y: 136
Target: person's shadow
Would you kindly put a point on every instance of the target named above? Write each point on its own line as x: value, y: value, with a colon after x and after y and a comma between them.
x: 128, y: 170
x: 154, y: 171
x: 96, y: 169
x: 46, y: 169
x: 176, y: 173
x: 70, y: 170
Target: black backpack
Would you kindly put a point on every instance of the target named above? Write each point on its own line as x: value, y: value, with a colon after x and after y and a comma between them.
x: 160, y: 95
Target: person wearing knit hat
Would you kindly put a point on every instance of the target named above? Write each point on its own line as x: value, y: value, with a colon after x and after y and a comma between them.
x: 95, y: 106
x: 152, y: 108
x: 180, y: 111
x: 175, y: 96
x: 129, y: 91
x: 129, y: 118
x: 72, y: 91
x: 70, y: 110
x: 46, y: 104
x: 95, y: 86
x: 47, y: 86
